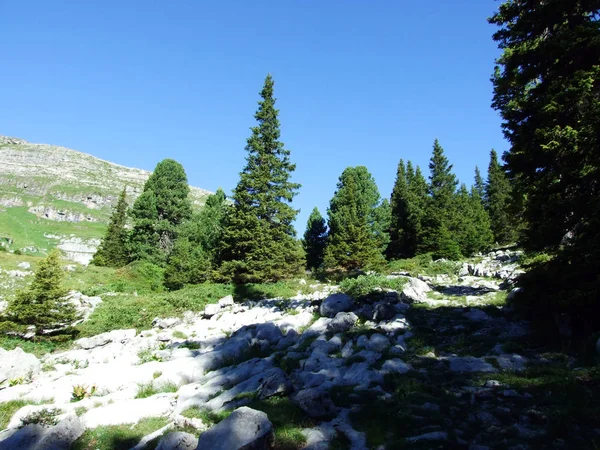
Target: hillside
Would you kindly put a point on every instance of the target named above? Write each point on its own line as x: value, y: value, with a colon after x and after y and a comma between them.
x: 53, y: 196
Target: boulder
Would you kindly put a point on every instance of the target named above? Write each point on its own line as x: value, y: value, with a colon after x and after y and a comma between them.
x: 169, y: 322
x: 211, y: 309
x: 99, y: 340
x: 316, y: 403
x: 377, y: 343
x: 24, y: 265
x: 17, y: 364
x: 384, y: 311
x: 415, y: 291
x: 37, y: 437
x: 470, y: 364
x: 334, y: 304
x: 178, y: 440
x: 395, y: 366
x: 244, y: 429
x: 342, y: 321
x: 226, y: 301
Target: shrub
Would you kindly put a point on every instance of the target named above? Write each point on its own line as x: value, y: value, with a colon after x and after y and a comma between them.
x: 367, y: 285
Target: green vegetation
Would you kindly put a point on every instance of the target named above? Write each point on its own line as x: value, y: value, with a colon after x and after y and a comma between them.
x: 315, y: 239
x: 119, y: 437
x: 259, y: 242
x: 370, y: 285
x: 42, y: 304
x: 113, y: 249
x: 498, y: 191
x: 358, y: 222
x: 8, y: 409
x: 549, y: 106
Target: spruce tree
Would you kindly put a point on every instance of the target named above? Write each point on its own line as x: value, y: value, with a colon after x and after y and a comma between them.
x: 315, y: 239
x: 471, y: 223
x: 112, y: 251
x: 194, y: 253
x: 355, y: 222
x: 546, y: 90
x: 479, y: 186
x: 259, y: 239
x: 158, y: 211
x: 399, y: 215
x: 441, y: 207
x: 498, y: 195
x: 42, y: 304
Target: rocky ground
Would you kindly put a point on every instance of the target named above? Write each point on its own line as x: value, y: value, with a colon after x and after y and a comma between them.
x: 442, y: 363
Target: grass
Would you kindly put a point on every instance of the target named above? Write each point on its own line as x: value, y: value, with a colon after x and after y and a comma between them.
x: 288, y: 421
x: 148, y: 389
x: 423, y: 265
x: 370, y: 285
x: 8, y: 409
x: 208, y: 417
x: 119, y: 437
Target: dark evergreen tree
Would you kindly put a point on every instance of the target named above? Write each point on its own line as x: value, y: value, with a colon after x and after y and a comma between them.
x: 498, y: 195
x: 158, y: 211
x: 194, y: 253
x: 259, y: 239
x: 479, y: 186
x: 112, y: 251
x: 471, y: 223
x: 399, y: 215
x: 315, y: 239
x: 356, y: 236
x: 546, y: 90
x: 42, y: 304
x: 438, y: 223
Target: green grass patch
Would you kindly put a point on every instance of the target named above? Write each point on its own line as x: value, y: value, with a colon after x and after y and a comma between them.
x: 423, y: 265
x: 208, y: 417
x: 370, y: 285
x: 8, y: 409
x: 120, y: 437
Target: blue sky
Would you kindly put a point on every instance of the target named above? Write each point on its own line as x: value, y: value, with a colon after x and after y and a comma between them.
x: 357, y: 82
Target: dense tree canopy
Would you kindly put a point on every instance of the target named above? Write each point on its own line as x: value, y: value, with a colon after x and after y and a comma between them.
x: 315, y: 239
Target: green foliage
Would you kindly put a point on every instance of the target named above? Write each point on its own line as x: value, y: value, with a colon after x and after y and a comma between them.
x: 118, y: 437
x: 366, y: 285
x: 498, y: 197
x: 46, y: 417
x: 479, y: 186
x: 315, y: 239
x: 80, y: 392
x: 113, y: 248
x: 8, y: 409
x: 194, y: 251
x: 158, y: 211
x: 357, y: 225
x: 42, y: 304
x: 471, y: 223
x: 258, y: 241
x: 546, y: 93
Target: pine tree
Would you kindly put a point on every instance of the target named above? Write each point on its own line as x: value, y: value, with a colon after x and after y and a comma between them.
x: 399, y: 215
x: 419, y: 203
x: 480, y: 186
x: 471, y: 223
x: 194, y: 253
x: 546, y: 90
x: 441, y: 207
x: 158, y: 211
x: 259, y: 239
x: 315, y: 239
x: 112, y: 251
x: 42, y: 304
x: 498, y: 195
x: 355, y: 223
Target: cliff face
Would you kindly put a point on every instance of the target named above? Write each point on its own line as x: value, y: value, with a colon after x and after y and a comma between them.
x: 51, y: 194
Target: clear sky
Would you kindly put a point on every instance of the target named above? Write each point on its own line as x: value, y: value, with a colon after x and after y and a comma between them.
x: 358, y: 83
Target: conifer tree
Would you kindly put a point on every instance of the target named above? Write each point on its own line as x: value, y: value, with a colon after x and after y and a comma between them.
x: 471, y: 223
x: 399, y: 215
x: 355, y: 236
x: 419, y: 203
x: 315, y: 239
x: 498, y: 195
x: 259, y: 239
x: 112, y: 251
x: 158, y: 211
x: 479, y: 186
x: 441, y: 207
x: 42, y: 304
x: 194, y: 253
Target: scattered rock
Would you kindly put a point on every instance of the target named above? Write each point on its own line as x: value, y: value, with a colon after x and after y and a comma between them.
x: 178, y: 440
x: 470, y: 364
x: 384, y: 311
x: 244, y: 429
x: 342, y: 321
x: 395, y: 366
x: 316, y: 403
x: 16, y: 364
x: 105, y: 338
x: 169, y: 322
x: 24, y: 265
x: 226, y: 301
x: 415, y: 291
x: 334, y: 304
x: 211, y: 309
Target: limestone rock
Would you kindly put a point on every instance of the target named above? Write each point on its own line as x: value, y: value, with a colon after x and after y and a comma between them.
x: 17, y: 364
x: 178, y: 440
x: 226, y: 301
x: 244, y: 429
x: 415, y: 291
x: 334, y: 304
x: 105, y: 338
x: 342, y: 321
x: 211, y: 309
x: 315, y: 402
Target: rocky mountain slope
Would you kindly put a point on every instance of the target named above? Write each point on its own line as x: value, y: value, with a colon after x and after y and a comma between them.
x: 441, y: 363
x: 53, y: 196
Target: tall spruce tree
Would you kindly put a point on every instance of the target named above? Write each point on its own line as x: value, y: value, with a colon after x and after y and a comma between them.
x: 355, y: 235
x: 546, y: 90
x: 315, y: 239
x: 441, y: 208
x: 498, y: 195
x: 400, y: 200
x: 471, y: 222
x: 42, y: 304
x: 112, y: 251
x: 158, y: 211
x: 259, y: 239
x: 194, y: 253
x: 480, y: 186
